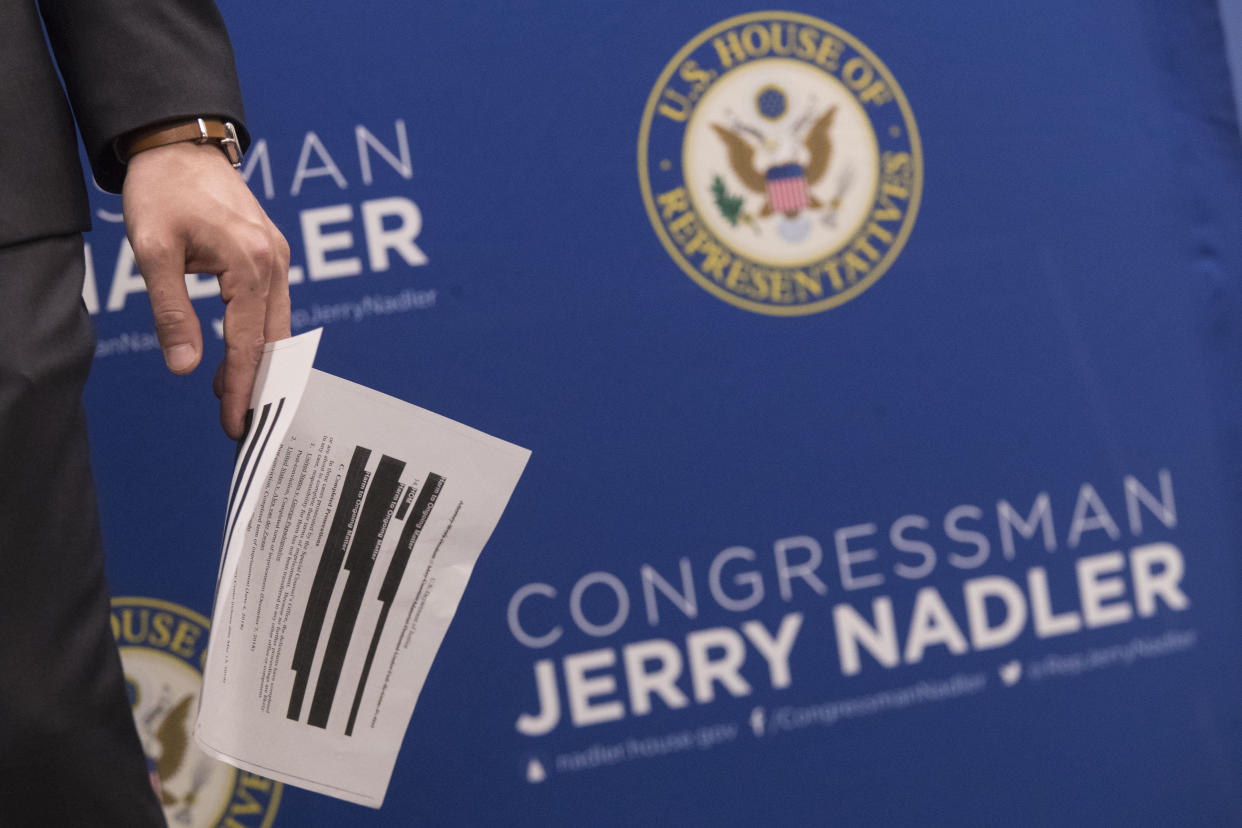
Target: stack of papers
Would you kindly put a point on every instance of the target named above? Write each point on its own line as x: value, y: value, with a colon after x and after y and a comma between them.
x: 354, y: 521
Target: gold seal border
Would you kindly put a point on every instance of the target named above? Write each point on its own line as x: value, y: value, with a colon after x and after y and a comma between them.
x: 916, y: 152
x: 119, y: 601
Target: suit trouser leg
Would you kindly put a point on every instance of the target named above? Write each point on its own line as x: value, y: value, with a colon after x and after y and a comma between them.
x: 69, y: 754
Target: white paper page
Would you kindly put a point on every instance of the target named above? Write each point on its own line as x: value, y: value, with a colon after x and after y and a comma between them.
x: 350, y: 567
x: 279, y: 383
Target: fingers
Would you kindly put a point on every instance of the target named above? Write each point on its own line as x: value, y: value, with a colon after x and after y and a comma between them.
x: 217, y: 382
x: 176, y: 324
x: 234, y: 381
x: 250, y: 288
x: 276, y: 323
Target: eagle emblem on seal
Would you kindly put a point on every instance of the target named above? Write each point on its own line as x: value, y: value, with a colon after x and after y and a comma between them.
x: 785, y: 187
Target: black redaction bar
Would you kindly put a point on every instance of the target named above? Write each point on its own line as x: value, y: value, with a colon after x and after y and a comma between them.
x: 377, y: 511
x: 392, y: 579
x: 406, y: 499
x: 343, y: 520
x: 231, y: 515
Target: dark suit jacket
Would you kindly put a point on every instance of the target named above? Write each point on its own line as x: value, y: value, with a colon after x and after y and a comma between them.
x: 126, y: 64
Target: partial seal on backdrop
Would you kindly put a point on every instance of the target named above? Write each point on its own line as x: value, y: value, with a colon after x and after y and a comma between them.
x: 780, y: 163
x: 162, y: 647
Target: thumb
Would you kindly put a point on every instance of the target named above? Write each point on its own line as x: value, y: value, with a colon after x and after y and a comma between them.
x: 176, y: 324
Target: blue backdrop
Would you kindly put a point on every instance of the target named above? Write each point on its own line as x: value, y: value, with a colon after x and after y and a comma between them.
x: 960, y: 548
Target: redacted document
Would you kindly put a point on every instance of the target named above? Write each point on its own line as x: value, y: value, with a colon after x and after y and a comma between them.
x: 353, y: 523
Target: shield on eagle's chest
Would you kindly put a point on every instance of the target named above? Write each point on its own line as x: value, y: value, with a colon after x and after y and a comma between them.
x: 787, y: 188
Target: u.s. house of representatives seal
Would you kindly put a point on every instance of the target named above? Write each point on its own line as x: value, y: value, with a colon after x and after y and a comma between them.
x: 780, y: 163
x: 162, y: 646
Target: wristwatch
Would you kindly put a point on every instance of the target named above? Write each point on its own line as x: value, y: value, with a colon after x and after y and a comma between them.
x: 200, y: 130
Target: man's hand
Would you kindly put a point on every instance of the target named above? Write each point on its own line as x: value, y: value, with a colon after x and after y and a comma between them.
x: 188, y: 211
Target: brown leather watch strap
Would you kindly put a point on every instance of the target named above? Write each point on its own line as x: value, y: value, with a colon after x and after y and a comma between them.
x: 200, y: 131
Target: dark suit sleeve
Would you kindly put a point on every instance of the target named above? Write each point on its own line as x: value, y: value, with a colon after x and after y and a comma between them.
x: 132, y: 63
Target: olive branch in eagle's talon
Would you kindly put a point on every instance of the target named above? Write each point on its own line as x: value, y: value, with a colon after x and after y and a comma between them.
x: 730, y: 205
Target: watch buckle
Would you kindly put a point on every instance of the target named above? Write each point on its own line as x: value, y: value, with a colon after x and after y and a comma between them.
x: 229, y: 143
